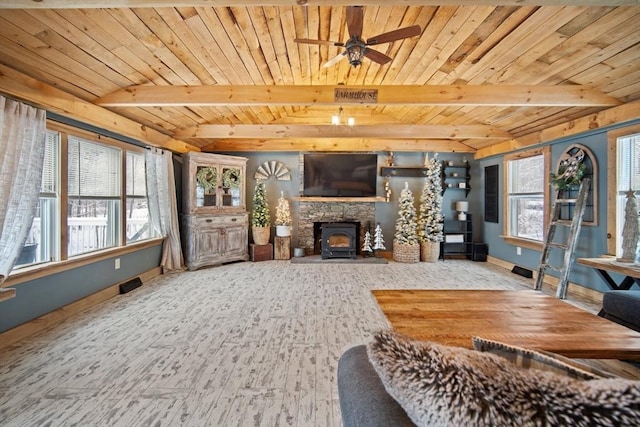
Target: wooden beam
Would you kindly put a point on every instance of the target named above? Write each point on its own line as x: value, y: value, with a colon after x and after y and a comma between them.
x: 306, y: 95
x: 331, y: 131
x: 87, y: 4
x: 623, y: 113
x: 315, y: 144
x: 17, y: 85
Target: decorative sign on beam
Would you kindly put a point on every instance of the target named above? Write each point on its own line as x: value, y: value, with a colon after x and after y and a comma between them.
x: 355, y: 96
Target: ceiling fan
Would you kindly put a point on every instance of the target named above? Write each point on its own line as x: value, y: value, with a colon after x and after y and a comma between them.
x: 356, y: 47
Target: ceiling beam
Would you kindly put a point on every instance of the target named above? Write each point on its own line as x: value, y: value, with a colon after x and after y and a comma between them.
x: 616, y: 115
x: 88, y: 4
x: 317, y: 144
x: 246, y: 95
x: 17, y: 85
x: 330, y: 131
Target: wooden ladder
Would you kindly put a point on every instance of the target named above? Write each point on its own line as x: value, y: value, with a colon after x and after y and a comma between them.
x: 569, y: 247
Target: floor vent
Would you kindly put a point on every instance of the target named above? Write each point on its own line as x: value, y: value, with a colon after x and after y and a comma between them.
x: 522, y: 271
x: 130, y: 285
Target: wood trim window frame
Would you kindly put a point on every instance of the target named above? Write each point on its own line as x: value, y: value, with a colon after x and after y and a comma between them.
x: 65, y: 262
x: 515, y: 240
x: 612, y: 182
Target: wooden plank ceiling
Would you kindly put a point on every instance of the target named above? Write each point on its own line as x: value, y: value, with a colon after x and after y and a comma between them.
x: 228, y: 76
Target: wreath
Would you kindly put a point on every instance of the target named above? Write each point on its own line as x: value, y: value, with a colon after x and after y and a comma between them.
x: 207, y: 177
x: 231, y: 178
x: 571, y: 170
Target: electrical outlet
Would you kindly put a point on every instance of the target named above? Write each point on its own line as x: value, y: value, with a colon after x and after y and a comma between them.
x: 117, y: 263
x: 518, y: 250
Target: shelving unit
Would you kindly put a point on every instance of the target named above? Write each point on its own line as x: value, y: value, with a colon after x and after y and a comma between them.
x: 455, y: 176
x: 458, y: 239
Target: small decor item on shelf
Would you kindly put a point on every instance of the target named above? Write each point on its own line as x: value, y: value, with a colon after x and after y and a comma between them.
x: 207, y: 178
x: 366, y: 245
x: 283, y: 217
x: 462, y: 207
x: 430, y: 215
x: 260, y: 219
x: 406, y: 246
x: 570, y: 171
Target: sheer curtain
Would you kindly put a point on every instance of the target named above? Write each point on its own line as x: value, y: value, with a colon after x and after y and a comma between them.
x: 161, y: 192
x: 22, y: 133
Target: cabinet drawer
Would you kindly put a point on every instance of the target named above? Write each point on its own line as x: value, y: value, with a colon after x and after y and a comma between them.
x: 206, y: 221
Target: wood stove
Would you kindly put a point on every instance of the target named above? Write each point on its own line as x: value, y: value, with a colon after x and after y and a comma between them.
x: 338, y: 240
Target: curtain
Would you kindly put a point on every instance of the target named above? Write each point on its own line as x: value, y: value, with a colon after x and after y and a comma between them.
x: 22, y: 134
x: 161, y: 193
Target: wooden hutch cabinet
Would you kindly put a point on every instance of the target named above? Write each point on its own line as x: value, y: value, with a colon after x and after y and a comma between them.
x: 215, y: 221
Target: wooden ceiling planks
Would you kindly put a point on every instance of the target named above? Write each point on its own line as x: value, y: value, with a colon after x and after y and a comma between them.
x: 92, y: 52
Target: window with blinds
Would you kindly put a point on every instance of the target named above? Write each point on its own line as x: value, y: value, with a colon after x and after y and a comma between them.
x: 628, y: 171
x: 104, y: 208
x: 94, y: 188
x: 94, y: 169
x: 42, y: 241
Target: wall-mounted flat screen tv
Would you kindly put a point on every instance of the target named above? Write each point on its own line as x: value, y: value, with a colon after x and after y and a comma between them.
x: 340, y: 175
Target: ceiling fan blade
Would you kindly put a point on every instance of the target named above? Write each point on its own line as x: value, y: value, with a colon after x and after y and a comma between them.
x: 324, y: 42
x: 355, y: 17
x: 401, y: 33
x: 333, y: 61
x: 376, y: 56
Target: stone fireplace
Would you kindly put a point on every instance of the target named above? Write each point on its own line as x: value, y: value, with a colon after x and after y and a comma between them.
x: 309, y: 213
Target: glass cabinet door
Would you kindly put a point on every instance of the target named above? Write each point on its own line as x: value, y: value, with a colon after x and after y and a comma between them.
x: 231, y: 182
x: 206, y: 186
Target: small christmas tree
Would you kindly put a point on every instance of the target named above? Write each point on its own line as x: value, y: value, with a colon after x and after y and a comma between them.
x: 430, y: 216
x: 406, y: 226
x: 260, y: 214
x: 283, y: 211
x: 366, y: 245
x: 378, y: 240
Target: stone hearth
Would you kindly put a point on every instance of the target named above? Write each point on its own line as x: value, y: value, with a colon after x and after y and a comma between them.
x: 310, y: 212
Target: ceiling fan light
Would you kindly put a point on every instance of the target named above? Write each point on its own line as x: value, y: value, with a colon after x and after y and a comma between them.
x: 355, y: 52
x: 351, y: 121
x: 335, y: 120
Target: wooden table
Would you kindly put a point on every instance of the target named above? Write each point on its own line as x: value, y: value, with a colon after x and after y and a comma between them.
x: 604, y: 265
x: 522, y: 318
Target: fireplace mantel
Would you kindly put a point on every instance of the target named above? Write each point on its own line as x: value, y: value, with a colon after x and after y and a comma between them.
x: 376, y: 199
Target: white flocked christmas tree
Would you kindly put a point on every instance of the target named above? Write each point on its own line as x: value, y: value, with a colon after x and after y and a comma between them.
x: 378, y: 239
x: 406, y: 225
x: 430, y: 215
x: 366, y: 245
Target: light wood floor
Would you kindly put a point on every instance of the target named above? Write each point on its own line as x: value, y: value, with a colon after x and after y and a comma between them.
x: 247, y: 344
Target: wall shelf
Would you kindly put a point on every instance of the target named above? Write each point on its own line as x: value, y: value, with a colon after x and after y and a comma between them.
x: 409, y: 172
x: 454, y: 175
x: 375, y: 199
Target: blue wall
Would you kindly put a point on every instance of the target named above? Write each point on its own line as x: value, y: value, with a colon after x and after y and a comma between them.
x: 592, y: 240
x: 44, y: 295
x: 386, y: 213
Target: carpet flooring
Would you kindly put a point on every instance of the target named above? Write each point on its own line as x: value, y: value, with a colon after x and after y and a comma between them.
x: 245, y: 344
x: 317, y: 259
